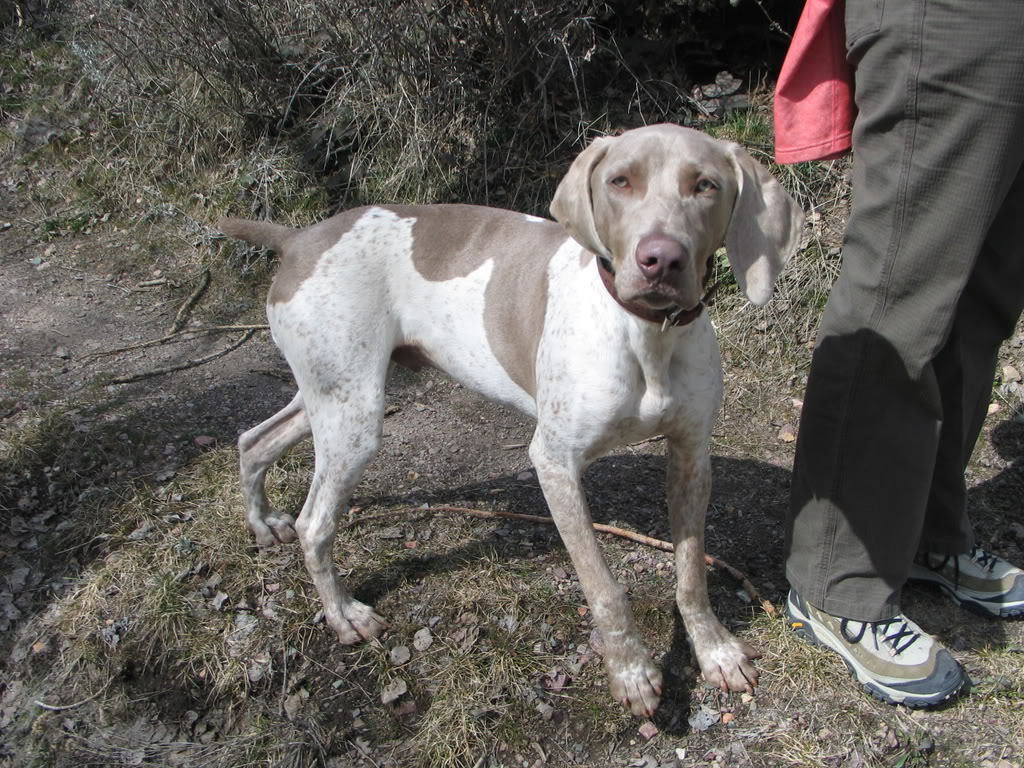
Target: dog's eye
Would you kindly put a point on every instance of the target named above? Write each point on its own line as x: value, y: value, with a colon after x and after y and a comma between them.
x: 621, y: 182
x: 706, y: 185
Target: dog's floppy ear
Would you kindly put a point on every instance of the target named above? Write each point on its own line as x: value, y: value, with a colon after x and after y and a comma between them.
x: 573, y: 204
x: 764, y: 230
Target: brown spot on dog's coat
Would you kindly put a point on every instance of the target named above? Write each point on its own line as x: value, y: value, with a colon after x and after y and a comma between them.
x: 299, y: 249
x: 451, y: 241
x: 302, y: 253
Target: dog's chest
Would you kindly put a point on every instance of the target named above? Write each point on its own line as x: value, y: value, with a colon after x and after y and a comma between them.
x: 672, y: 392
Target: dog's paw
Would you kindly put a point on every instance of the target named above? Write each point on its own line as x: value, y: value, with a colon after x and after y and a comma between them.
x: 355, y: 622
x: 273, y: 530
x: 729, y: 666
x: 283, y: 528
x: 635, y: 684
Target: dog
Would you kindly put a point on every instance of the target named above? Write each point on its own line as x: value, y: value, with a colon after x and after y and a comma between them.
x: 593, y: 325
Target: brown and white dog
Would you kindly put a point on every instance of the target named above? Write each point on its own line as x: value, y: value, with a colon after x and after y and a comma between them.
x: 594, y: 326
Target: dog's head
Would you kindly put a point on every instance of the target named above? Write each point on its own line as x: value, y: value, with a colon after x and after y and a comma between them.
x: 656, y: 202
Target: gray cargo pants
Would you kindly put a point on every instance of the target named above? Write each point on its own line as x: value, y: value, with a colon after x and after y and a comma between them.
x: 932, y: 282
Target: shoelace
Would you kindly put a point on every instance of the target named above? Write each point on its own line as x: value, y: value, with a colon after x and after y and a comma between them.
x: 984, y: 559
x: 901, y: 632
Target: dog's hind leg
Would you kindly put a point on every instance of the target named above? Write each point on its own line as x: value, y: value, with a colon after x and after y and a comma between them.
x: 258, y: 448
x: 346, y: 435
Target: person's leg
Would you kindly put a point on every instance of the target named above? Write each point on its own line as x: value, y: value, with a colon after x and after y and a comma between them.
x: 987, y: 314
x: 937, y: 147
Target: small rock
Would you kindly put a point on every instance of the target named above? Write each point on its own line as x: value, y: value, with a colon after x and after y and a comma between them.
x: 546, y: 710
x: 399, y: 655
x: 704, y: 718
x: 422, y: 639
x: 648, y: 730
x: 1010, y: 373
x: 62, y: 353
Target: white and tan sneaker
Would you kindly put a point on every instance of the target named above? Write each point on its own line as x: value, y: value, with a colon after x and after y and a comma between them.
x: 978, y: 580
x: 893, y: 659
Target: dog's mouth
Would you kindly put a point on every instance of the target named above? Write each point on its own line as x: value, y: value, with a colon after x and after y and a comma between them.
x: 660, y: 300
x: 661, y: 296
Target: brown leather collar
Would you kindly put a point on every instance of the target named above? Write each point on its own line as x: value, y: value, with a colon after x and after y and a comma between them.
x: 670, y: 316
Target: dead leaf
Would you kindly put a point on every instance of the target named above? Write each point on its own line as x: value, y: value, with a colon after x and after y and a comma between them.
x: 787, y: 433
x: 466, y: 637
x: 205, y: 441
x: 394, y: 690
x: 293, y: 703
x: 555, y: 680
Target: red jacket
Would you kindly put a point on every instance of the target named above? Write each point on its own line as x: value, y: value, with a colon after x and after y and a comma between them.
x: 814, y: 107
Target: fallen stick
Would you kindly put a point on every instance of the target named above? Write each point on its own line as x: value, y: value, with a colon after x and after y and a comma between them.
x: 184, y: 309
x: 66, y: 707
x: 188, y: 364
x: 175, y: 335
x: 640, y: 538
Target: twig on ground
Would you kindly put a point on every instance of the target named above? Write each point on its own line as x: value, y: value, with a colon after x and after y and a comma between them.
x: 283, y: 375
x: 640, y: 538
x: 65, y: 707
x: 175, y: 335
x: 150, y: 284
x: 188, y: 364
x: 184, y: 309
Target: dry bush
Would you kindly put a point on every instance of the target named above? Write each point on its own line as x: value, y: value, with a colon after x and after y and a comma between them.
x: 387, y: 100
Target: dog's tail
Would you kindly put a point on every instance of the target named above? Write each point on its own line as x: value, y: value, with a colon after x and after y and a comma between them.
x: 265, y: 234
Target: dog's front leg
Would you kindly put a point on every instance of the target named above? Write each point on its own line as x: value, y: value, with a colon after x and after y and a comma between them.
x: 633, y: 678
x: 725, y: 661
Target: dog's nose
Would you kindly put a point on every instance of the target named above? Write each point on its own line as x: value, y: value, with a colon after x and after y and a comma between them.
x: 658, y: 256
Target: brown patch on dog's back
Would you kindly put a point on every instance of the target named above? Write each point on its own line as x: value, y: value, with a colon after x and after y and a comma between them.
x: 302, y: 252
x: 451, y: 241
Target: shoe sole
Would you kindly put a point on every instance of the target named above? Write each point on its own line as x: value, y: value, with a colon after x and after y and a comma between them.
x: 803, y: 626
x: 974, y: 605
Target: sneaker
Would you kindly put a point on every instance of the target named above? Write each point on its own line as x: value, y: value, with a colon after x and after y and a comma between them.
x: 978, y: 580
x: 893, y: 659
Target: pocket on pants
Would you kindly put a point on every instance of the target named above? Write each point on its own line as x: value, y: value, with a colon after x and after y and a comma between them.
x: 863, y: 18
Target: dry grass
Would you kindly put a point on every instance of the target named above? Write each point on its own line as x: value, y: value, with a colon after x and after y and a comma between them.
x: 181, y: 644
